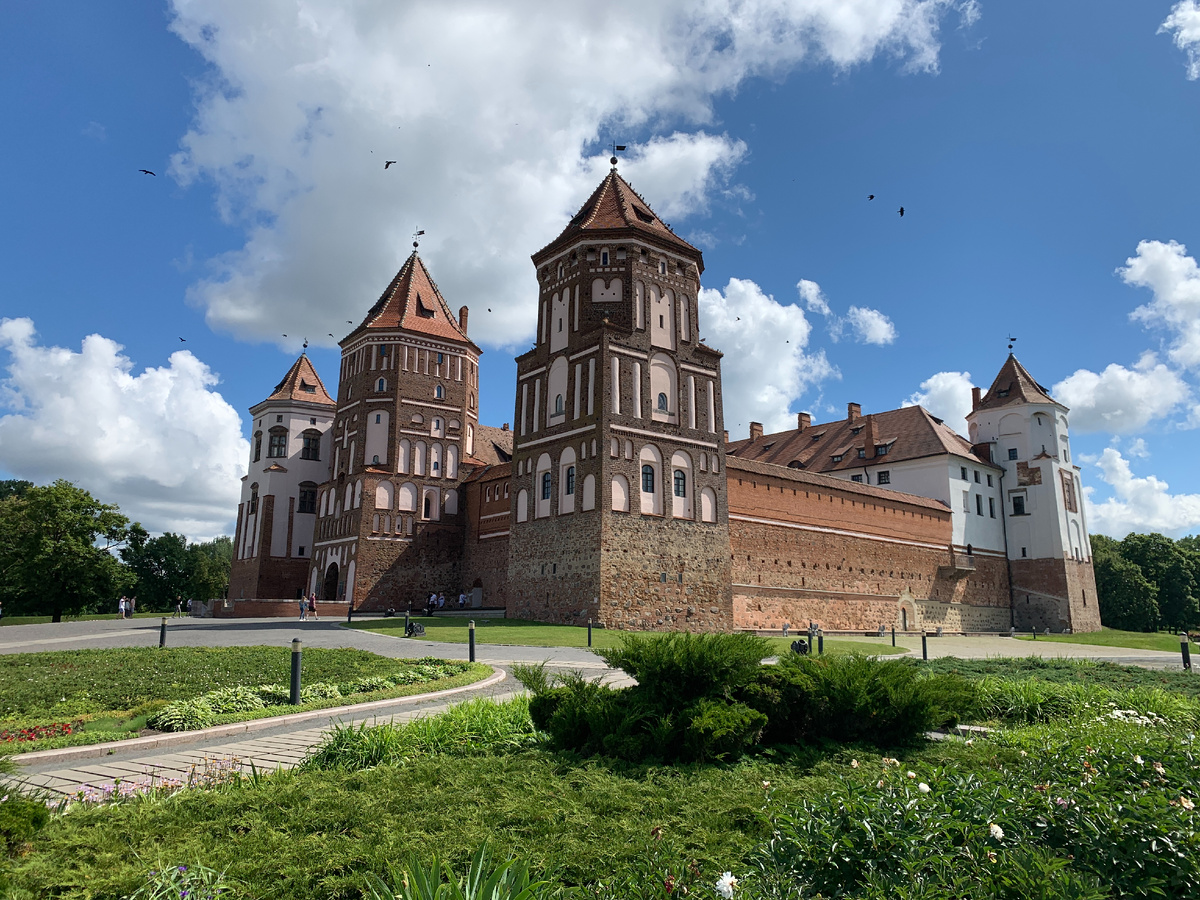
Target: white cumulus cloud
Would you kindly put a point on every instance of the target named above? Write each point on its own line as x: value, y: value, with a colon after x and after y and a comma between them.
x: 766, y: 367
x: 1174, y: 279
x: 948, y: 396
x: 871, y: 326
x: 1120, y: 400
x: 496, y: 114
x: 1141, y: 504
x: 814, y: 299
x: 161, y: 443
x: 1184, y: 23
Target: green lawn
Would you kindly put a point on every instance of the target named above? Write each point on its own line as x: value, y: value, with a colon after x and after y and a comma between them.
x: 91, y: 617
x: 105, y: 695
x: 1110, y: 637
x: 519, y: 632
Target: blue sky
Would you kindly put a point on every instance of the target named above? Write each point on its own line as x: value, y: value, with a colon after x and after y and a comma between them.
x: 1044, y: 154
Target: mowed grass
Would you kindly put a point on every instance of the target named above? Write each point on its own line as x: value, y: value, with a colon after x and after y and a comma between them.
x: 523, y: 633
x: 1067, y: 671
x: 91, y: 681
x: 1111, y: 637
x: 90, y: 617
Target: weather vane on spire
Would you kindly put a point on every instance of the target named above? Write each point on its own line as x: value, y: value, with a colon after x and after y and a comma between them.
x: 1011, y: 340
x: 417, y: 234
x: 615, y: 148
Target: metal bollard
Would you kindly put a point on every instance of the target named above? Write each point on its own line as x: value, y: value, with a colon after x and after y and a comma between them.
x: 1183, y: 648
x: 471, y: 640
x: 820, y: 644
x: 349, y: 612
x: 297, y: 650
x: 589, y: 632
x: 162, y: 633
x: 893, y: 635
x: 924, y: 646
x: 406, y: 617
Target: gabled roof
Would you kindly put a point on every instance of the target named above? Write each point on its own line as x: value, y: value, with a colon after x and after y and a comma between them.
x: 910, y: 432
x: 1014, y: 385
x: 615, y: 206
x: 413, y: 302
x: 831, y: 483
x: 493, y: 446
x: 301, y: 383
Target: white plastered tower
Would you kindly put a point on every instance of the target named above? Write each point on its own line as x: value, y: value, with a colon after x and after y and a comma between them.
x: 1049, y: 552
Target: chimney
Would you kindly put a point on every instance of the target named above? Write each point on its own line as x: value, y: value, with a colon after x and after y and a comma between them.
x: 853, y: 411
x: 868, y: 433
x: 462, y: 319
x: 803, y: 420
x: 504, y: 427
x: 755, y: 430
x: 975, y: 398
x: 726, y: 435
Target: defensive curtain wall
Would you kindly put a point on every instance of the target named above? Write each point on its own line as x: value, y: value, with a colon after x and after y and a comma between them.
x: 812, y: 548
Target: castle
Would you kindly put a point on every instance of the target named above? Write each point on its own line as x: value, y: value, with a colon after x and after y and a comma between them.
x: 617, y: 495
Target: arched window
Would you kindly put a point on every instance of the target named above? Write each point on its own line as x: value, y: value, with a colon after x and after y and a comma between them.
x: 439, y: 392
x: 558, y: 405
x: 647, y: 479
x: 381, y: 384
x: 680, y: 483
x: 277, y: 445
x: 708, y: 505
x: 312, y: 445
x: 407, y: 497
x: 662, y: 402
x: 620, y: 494
x: 428, y: 506
x: 545, y: 485
x: 253, y: 499
x: 569, y: 488
x: 257, y: 446
x: 383, y: 495
x: 522, y: 505
x: 589, y: 492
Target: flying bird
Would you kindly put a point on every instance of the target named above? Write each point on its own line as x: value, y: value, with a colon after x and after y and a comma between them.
x: 331, y: 334
x: 388, y: 162
x: 489, y: 309
x: 146, y: 172
x: 870, y: 196
x: 183, y: 340
x: 901, y: 211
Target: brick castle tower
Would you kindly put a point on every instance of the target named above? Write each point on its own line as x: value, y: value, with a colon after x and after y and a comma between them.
x: 619, y: 506
x: 389, y: 527
x: 1049, y: 552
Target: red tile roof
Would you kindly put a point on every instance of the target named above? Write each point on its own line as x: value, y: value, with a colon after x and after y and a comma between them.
x: 413, y: 302
x: 615, y: 206
x: 757, y: 467
x: 1014, y: 384
x: 301, y: 383
x: 493, y: 445
x: 910, y: 432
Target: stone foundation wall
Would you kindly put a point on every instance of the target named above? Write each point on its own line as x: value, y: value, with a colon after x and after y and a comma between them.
x: 399, y: 573
x: 554, y: 570
x: 1054, y: 594
x: 665, y: 574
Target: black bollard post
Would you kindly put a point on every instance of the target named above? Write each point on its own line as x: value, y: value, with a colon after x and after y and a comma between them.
x: 821, y: 643
x: 162, y: 633
x: 471, y: 640
x: 924, y: 646
x: 406, y: 626
x: 589, y: 631
x: 1183, y: 648
x: 297, y: 650
x: 893, y: 635
x: 349, y: 612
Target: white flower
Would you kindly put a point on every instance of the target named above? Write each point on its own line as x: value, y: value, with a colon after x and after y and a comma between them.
x: 923, y: 788
x: 970, y: 741
x: 1023, y: 753
x: 995, y: 831
x: 1187, y: 803
x: 854, y: 763
x: 1158, y: 767
x: 911, y: 774
x: 725, y: 885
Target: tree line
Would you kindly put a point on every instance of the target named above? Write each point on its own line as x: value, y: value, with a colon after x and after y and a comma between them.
x: 1148, y: 582
x: 64, y: 553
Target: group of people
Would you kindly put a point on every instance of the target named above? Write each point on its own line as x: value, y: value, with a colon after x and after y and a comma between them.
x: 308, y: 607
x: 125, y: 607
x: 437, y: 601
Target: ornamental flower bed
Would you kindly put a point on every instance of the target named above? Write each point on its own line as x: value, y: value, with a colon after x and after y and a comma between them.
x: 37, y: 732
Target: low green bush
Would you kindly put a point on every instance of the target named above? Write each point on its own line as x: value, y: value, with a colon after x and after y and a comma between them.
x: 482, y: 881
x: 679, y: 668
x: 1028, y: 701
x: 365, y: 685
x: 194, y: 882
x: 234, y: 699
x: 183, y: 715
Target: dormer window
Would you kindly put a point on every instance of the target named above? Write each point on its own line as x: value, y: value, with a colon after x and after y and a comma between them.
x: 856, y: 430
x: 307, y: 388
x: 862, y: 452
x: 837, y: 458
x: 1003, y: 392
x: 882, y: 449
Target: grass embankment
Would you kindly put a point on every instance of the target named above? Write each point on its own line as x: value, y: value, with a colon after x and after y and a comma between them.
x: 77, y: 697
x: 522, y: 633
x: 1111, y: 637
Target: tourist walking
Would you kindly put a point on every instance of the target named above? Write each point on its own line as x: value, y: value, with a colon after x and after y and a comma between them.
x: 130, y: 606
x: 431, y: 605
x: 303, y: 609
x: 178, y: 608
x: 121, y: 608
x: 312, y: 606
x: 441, y: 601
x: 462, y: 600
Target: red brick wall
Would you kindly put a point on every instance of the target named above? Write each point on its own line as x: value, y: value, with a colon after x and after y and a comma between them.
x: 1054, y: 594
x: 247, y: 609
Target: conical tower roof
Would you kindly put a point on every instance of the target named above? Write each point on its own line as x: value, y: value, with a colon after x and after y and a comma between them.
x: 413, y: 302
x: 615, y: 208
x: 301, y: 383
x: 1014, y: 384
